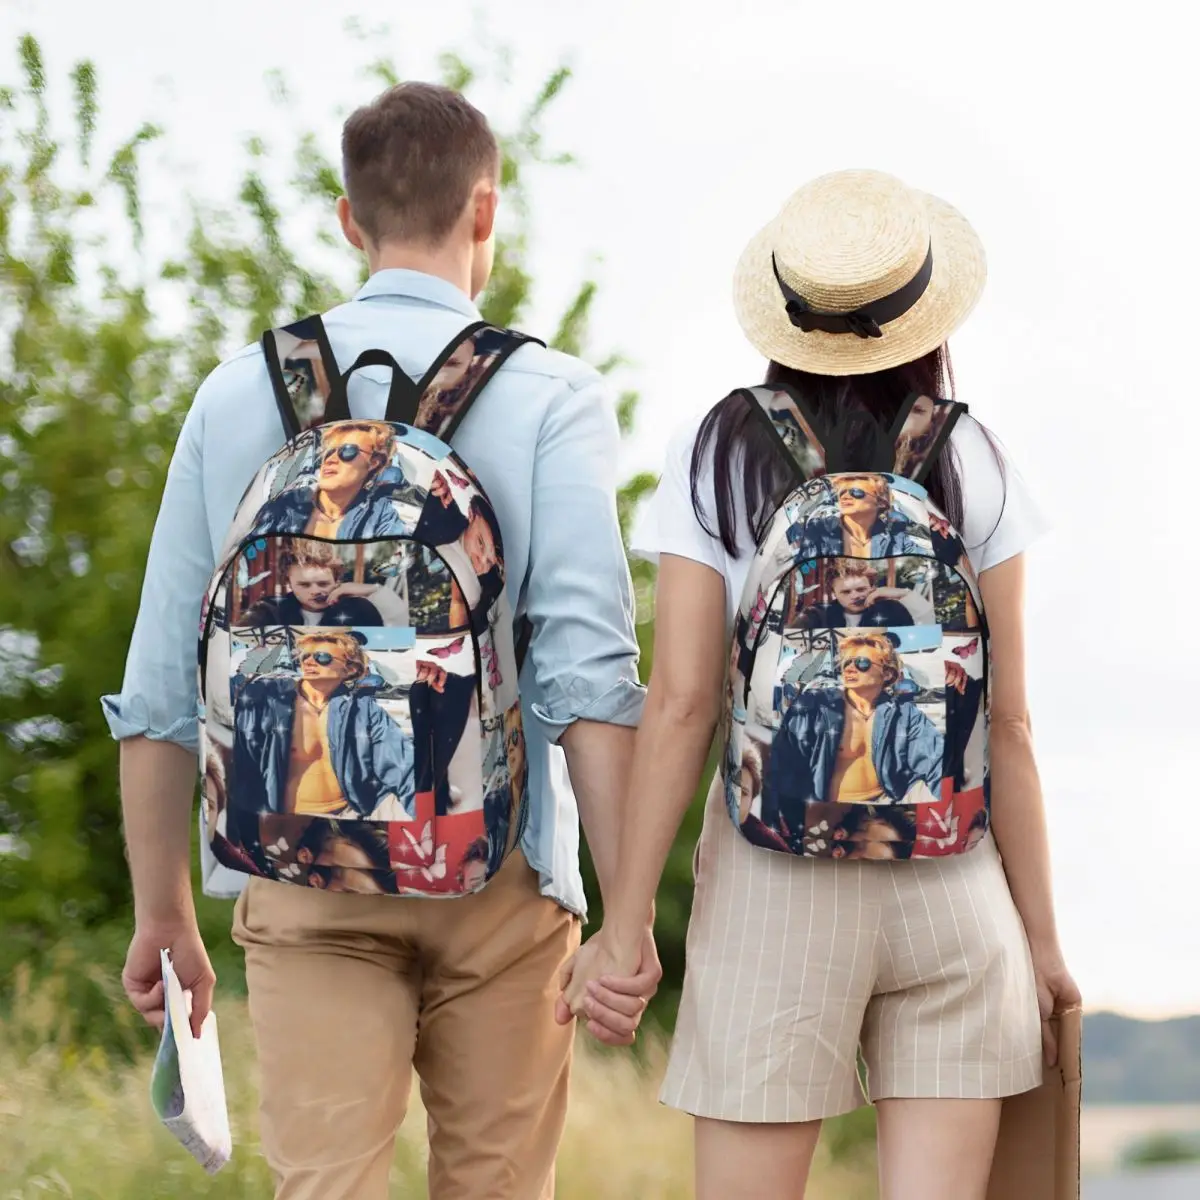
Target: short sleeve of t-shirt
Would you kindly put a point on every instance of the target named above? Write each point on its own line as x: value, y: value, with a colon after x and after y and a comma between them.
x: 1000, y: 517
x: 667, y: 522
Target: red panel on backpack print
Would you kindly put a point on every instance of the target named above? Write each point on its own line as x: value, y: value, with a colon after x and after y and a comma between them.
x: 951, y: 825
x: 446, y: 856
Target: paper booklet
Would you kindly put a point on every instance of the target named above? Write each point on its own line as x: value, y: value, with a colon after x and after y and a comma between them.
x: 187, y: 1088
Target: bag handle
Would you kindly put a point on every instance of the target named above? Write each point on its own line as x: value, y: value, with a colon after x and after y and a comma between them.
x: 403, y: 395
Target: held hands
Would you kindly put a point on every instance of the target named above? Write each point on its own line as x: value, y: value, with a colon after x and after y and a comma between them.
x: 609, y: 987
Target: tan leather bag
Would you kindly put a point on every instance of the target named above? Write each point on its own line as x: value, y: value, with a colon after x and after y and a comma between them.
x: 1037, y: 1152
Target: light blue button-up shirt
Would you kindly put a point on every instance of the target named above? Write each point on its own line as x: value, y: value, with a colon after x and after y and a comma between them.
x: 543, y: 440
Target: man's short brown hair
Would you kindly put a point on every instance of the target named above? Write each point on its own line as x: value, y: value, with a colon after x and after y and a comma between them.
x: 410, y: 159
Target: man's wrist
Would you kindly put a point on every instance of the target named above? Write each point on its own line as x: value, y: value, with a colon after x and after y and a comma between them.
x: 167, y: 912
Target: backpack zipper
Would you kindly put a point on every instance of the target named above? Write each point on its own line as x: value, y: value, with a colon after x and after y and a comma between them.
x: 249, y: 541
x: 762, y: 632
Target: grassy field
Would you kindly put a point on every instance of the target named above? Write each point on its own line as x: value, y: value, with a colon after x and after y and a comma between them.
x: 75, y: 1124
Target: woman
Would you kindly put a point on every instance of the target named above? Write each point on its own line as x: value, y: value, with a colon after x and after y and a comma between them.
x: 936, y: 969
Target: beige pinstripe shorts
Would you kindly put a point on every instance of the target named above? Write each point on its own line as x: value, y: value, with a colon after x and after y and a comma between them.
x: 794, y: 964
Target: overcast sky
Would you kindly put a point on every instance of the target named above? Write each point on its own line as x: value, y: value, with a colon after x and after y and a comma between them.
x: 1066, y: 136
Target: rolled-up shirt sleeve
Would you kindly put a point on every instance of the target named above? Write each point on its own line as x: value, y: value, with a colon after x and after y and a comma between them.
x: 579, y: 596
x: 158, y: 697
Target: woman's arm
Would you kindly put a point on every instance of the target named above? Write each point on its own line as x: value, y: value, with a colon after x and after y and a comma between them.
x: 1018, y: 817
x: 1018, y: 814
x: 683, y: 703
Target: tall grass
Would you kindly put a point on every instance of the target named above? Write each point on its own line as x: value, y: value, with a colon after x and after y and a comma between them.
x: 77, y: 1122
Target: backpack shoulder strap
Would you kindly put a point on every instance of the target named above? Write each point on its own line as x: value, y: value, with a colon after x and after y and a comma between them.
x: 304, y: 373
x: 463, y: 369
x: 922, y: 428
x: 798, y: 435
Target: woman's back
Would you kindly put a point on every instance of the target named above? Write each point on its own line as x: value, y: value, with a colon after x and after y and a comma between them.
x: 840, y: 602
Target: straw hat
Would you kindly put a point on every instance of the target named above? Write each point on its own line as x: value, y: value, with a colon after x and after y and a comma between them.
x: 857, y: 273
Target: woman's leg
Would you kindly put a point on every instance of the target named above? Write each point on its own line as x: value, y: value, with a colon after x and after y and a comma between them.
x: 936, y: 1149
x: 753, y: 1161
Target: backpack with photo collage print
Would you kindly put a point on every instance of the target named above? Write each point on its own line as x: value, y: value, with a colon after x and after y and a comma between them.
x: 857, y: 703
x: 358, y: 659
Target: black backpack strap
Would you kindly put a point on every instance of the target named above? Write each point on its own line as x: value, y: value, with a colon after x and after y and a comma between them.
x: 402, y: 392
x: 798, y: 435
x: 522, y: 636
x: 923, y: 426
x: 457, y: 376
x: 441, y: 403
x: 304, y: 373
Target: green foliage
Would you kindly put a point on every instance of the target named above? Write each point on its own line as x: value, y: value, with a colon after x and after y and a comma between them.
x: 1161, y: 1149
x: 93, y: 387
x: 848, y: 1138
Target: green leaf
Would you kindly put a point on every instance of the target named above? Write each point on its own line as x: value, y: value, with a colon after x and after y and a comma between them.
x: 385, y: 71
x: 572, y: 327
x: 30, y: 52
x: 627, y: 411
x: 84, y: 79
x: 454, y: 72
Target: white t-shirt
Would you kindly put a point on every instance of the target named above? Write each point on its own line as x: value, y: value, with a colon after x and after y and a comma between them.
x: 1000, y: 518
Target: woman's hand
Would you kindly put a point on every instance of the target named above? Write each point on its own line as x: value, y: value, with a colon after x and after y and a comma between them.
x: 610, y: 986
x: 1056, y: 992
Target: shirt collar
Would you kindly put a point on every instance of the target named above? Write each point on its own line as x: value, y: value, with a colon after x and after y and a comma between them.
x: 416, y: 285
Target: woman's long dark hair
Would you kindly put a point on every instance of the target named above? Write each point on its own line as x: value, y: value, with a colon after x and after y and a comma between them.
x: 858, y: 404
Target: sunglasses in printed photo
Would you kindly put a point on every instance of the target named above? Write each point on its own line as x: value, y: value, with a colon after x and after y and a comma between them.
x: 347, y: 452
x: 860, y: 663
x: 321, y: 657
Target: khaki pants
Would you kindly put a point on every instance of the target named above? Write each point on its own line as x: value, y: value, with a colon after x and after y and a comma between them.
x: 349, y: 993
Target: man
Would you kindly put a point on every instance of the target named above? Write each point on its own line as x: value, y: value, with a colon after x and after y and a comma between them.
x: 750, y: 781
x: 862, y: 525
x: 858, y: 601
x: 313, y: 745
x: 857, y: 744
x: 316, y: 595
x: 430, y: 984
x: 467, y: 541
x: 351, y: 495
x: 474, y: 867
x: 440, y: 704
x: 346, y: 856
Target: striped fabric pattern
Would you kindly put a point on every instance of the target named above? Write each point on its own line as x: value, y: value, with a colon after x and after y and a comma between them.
x: 794, y: 964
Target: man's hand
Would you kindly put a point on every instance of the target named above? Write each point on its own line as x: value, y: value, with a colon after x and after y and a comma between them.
x: 956, y: 678
x: 441, y: 489
x: 142, y: 977
x: 432, y: 674
x: 353, y: 589
x: 610, y: 988
x: 887, y: 593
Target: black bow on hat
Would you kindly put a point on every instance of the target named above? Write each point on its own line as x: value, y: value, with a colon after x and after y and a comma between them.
x: 864, y: 322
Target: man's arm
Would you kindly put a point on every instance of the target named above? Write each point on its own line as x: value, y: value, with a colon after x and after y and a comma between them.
x: 155, y: 719
x: 579, y: 598
x: 584, y: 651
x: 158, y: 780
